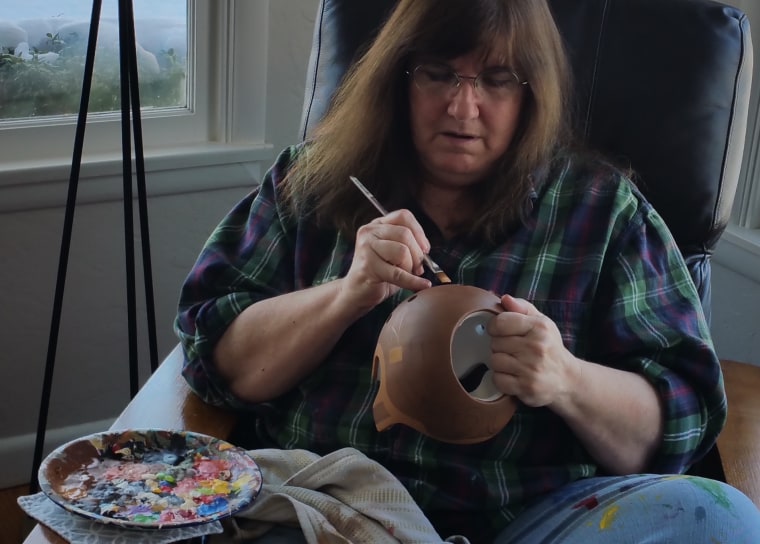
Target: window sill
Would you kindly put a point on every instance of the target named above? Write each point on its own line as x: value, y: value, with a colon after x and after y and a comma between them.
x: 739, y: 251
x: 44, y: 183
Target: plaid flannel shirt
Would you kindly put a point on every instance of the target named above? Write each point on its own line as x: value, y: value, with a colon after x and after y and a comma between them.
x: 593, y: 255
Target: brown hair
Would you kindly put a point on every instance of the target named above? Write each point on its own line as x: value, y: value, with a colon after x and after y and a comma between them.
x: 366, y: 132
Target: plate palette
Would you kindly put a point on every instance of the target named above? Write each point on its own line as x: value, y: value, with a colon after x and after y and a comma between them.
x: 150, y: 479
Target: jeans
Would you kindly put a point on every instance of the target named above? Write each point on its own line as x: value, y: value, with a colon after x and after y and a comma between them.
x: 639, y: 509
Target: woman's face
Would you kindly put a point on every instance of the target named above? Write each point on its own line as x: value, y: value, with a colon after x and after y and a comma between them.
x: 460, y: 133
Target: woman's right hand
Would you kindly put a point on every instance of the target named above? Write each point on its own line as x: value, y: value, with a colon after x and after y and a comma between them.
x: 273, y: 344
x: 387, y: 257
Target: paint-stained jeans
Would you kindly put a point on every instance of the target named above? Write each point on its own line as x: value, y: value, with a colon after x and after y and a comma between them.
x: 646, y: 509
x: 643, y: 509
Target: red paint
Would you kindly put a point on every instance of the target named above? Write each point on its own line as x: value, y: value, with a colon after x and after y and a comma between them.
x: 590, y: 503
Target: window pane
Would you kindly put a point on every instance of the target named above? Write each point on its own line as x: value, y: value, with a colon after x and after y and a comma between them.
x: 42, y: 52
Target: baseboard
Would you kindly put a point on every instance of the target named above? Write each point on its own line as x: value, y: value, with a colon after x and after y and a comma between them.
x: 17, y: 452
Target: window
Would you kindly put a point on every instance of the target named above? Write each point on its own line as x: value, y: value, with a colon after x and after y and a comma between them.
x: 746, y: 211
x: 218, y: 117
x: 42, y: 57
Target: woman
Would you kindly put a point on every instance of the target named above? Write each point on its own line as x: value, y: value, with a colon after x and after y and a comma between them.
x: 457, y: 118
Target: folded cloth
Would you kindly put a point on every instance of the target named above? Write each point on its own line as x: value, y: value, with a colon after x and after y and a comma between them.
x: 75, y: 528
x: 343, y: 497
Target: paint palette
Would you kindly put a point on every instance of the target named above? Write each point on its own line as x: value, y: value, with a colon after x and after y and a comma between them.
x: 150, y: 479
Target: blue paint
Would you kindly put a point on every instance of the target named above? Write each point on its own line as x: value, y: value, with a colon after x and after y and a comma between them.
x: 219, y: 504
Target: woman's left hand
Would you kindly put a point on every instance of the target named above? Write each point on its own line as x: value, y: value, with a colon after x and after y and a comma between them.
x: 529, y: 359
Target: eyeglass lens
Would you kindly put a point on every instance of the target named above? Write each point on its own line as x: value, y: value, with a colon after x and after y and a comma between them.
x: 441, y: 79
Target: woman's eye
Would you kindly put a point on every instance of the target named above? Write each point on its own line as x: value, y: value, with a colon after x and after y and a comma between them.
x: 438, y: 74
x: 498, y: 80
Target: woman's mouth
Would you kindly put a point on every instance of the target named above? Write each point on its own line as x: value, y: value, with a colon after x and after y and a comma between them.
x: 459, y: 136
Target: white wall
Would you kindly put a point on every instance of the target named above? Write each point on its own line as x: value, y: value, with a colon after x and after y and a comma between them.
x: 736, y: 315
x: 91, y: 382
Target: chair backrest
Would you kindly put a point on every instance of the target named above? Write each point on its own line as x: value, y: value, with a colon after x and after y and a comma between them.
x: 662, y: 86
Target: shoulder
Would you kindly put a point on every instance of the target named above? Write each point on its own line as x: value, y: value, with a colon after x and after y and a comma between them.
x: 577, y: 171
x: 579, y: 181
x: 589, y: 197
x: 285, y: 161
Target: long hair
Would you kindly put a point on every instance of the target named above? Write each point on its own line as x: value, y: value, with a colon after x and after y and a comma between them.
x: 366, y: 132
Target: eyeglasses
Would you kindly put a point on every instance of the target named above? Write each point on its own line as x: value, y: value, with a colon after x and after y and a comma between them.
x: 440, y: 80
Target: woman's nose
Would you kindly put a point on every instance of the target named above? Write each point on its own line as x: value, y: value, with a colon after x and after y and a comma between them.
x: 465, y: 102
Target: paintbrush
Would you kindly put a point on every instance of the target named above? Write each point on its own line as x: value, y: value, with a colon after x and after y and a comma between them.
x: 434, y: 268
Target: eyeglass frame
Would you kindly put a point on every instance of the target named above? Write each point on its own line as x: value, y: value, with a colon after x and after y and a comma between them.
x: 459, y: 77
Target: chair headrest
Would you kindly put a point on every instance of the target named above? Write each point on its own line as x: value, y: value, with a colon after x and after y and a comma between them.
x: 662, y: 86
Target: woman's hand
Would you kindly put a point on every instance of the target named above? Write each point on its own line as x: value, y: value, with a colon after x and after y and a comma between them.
x: 273, y: 344
x: 387, y: 257
x: 616, y: 414
x: 529, y: 359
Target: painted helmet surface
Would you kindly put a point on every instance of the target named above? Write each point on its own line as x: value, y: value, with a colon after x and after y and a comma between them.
x: 432, y: 359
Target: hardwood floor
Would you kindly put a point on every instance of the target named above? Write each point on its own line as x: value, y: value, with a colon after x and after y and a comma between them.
x: 14, y: 522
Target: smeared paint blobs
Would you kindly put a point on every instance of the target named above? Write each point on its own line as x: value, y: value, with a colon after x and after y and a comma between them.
x: 672, y: 511
x: 589, y: 503
x: 609, y: 517
x: 155, y: 478
x: 700, y: 513
x: 715, y: 489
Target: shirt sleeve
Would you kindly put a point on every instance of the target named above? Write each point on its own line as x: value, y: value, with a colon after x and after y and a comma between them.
x: 247, y: 258
x: 655, y: 317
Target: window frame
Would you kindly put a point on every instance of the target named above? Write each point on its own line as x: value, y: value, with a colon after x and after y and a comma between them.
x: 746, y: 209
x: 224, y: 123
x: 739, y: 247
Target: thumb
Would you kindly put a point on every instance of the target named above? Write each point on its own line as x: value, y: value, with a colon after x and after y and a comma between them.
x: 518, y: 305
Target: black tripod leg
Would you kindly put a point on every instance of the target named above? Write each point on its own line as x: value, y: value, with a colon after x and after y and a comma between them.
x: 63, y: 260
x: 142, y: 198
x: 129, y: 243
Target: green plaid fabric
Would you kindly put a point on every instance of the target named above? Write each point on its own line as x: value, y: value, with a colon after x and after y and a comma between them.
x: 592, y: 255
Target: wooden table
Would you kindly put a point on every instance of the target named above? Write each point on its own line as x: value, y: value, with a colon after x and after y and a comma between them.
x: 738, y: 444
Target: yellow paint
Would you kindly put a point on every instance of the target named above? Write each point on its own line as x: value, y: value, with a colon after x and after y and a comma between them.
x: 241, y: 482
x: 608, y: 518
x: 396, y: 355
x: 220, y: 487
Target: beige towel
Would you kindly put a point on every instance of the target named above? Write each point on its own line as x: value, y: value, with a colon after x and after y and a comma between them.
x: 343, y: 497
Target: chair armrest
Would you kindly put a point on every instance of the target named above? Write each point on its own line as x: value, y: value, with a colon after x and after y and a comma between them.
x: 739, y: 443
x: 165, y: 401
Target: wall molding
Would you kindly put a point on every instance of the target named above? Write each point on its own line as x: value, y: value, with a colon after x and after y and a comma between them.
x: 207, y: 167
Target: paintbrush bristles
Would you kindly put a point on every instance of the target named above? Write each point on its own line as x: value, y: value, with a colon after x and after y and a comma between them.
x: 442, y: 277
x: 439, y: 273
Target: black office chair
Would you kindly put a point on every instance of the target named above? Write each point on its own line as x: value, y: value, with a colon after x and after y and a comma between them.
x: 662, y: 86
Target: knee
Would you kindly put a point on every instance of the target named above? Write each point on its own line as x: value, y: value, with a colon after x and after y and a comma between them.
x: 712, y: 506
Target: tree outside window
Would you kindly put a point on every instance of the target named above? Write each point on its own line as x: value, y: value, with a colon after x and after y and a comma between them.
x: 42, y: 54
